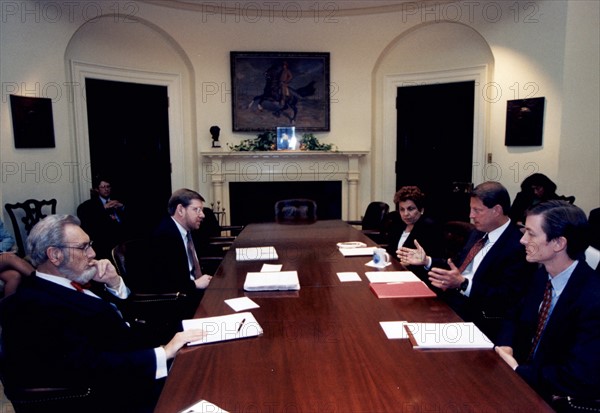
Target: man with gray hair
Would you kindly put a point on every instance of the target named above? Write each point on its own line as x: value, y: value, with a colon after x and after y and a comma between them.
x: 56, y: 333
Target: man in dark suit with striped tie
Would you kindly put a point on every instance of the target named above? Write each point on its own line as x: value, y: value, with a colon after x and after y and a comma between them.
x: 554, y: 340
x: 490, y: 274
x: 176, y: 268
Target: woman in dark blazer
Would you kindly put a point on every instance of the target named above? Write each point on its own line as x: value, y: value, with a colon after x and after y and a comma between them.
x: 408, y: 223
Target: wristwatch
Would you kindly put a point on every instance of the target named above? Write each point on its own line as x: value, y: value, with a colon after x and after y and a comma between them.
x: 463, y: 285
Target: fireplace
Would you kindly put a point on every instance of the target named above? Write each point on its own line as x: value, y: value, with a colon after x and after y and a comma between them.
x: 251, y: 202
x: 247, y: 184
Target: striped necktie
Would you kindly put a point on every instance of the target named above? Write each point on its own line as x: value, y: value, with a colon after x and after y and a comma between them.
x: 473, y: 252
x: 542, y: 318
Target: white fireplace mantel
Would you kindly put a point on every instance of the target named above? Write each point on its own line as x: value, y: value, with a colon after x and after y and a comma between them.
x: 220, y: 166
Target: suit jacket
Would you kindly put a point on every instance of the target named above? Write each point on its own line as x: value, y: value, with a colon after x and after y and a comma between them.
x: 170, y: 271
x: 567, y: 360
x: 425, y: 231
x: 498, y: 284
x: 53, y: 336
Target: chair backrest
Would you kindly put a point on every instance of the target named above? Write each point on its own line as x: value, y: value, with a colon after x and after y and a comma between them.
x: 298, y: 210
x: 374, y: 215
x: 130, y: 258
x: 594, y: 221
x: 29, y: 213
x: 455, y: 234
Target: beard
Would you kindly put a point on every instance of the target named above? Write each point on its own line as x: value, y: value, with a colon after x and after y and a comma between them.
x: 82, y: 278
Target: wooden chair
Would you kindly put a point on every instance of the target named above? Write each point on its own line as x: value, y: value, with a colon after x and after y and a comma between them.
x: 295, y: 211
x: 372, y: 222
x: 29, y: 213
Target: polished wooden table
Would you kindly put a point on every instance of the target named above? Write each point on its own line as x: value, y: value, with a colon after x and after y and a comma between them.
x: 323, y: 349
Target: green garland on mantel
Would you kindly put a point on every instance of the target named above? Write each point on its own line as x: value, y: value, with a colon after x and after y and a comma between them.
x: 267, y: 141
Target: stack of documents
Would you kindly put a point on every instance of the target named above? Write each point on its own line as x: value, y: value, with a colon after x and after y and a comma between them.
x: 272, y: 281
x: 397, y: 284
x: 223, y: 328
x: 356, y: 252
x: 447, y: 336
x: 255, y: 254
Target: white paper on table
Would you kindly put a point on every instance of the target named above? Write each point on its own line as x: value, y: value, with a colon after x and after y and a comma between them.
x: 355, y: 252
x: 348, y: 276
x: 203, y: 406
x: 448, y: 336
x: 255, y: 254
x: 394, y: 329
x: 241, y: 303
x: 272, y: 281
x: 224, y: 328
x: 391, y: 276
x: 271, y: 267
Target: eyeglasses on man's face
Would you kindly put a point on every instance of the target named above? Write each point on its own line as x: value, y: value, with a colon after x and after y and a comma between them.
x: 197, y: 210
x: 83, y: 247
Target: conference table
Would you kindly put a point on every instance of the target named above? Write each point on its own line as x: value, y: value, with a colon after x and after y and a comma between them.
x: 322, y: 347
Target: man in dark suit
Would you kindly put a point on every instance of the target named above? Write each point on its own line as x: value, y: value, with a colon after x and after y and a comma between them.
x: 490, y: 275
x: 103, y: 218
x: 176, y: 269
x: 553, y: 341
x: 56, y: 333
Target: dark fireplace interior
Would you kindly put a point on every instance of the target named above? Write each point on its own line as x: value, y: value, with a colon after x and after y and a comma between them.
x: 253, y: 202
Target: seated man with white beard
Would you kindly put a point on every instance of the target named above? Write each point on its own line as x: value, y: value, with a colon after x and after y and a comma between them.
x: 57, y: 333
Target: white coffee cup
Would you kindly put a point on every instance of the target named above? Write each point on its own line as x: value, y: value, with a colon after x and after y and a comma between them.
x: 380, y: 257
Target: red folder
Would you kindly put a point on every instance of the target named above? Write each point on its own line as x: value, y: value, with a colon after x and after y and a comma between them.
x: 401, y: 290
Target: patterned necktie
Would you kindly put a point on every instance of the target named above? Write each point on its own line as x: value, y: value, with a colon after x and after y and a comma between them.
x: 542, y: 318
x: 191, y: 252
x: 473, y: 252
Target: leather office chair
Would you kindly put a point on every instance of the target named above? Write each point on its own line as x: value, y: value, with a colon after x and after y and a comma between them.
x: 295, y: 211
x: 566, y: 404
x: 455, y: 234
x: 373, y: 221
x: 213, y: 239
x: 155, y: 311
x: 594, y: 221
x: 29, y: 212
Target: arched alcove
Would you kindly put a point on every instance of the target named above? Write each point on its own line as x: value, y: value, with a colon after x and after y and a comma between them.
x: 429, y: 53
x: 136, y: 51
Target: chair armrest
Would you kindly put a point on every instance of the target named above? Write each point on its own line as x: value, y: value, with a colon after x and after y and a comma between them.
x: 354, y: 222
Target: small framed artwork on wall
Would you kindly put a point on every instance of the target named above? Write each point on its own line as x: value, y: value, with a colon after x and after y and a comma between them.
x: 33, y: 125
x: 525, y: 122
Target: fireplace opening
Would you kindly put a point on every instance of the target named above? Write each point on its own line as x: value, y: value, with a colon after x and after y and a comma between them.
x: 254, y: 202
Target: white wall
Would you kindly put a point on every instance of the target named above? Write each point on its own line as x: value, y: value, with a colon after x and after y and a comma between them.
x: 548, y: 47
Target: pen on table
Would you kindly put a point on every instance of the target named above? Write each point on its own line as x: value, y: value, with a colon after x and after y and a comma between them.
x: 241, y: 324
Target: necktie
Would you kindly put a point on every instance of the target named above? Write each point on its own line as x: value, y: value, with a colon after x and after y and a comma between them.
x: 542, y: 318
x: 473, y: 252
x: 80, y: 287
x: 191, y: 252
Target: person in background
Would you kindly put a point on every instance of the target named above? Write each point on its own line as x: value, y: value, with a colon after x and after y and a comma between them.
x: 103, y: 218
x: 178, y: 268
x: 535, y: 188
x: 12, y: 267
x: 58, y: 333
x: 408, y: 224
x: 490, y: 274
x: 553, y: 340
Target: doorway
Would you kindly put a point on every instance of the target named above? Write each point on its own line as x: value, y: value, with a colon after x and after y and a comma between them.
x: 435, y: 145
x: 128, y: 129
